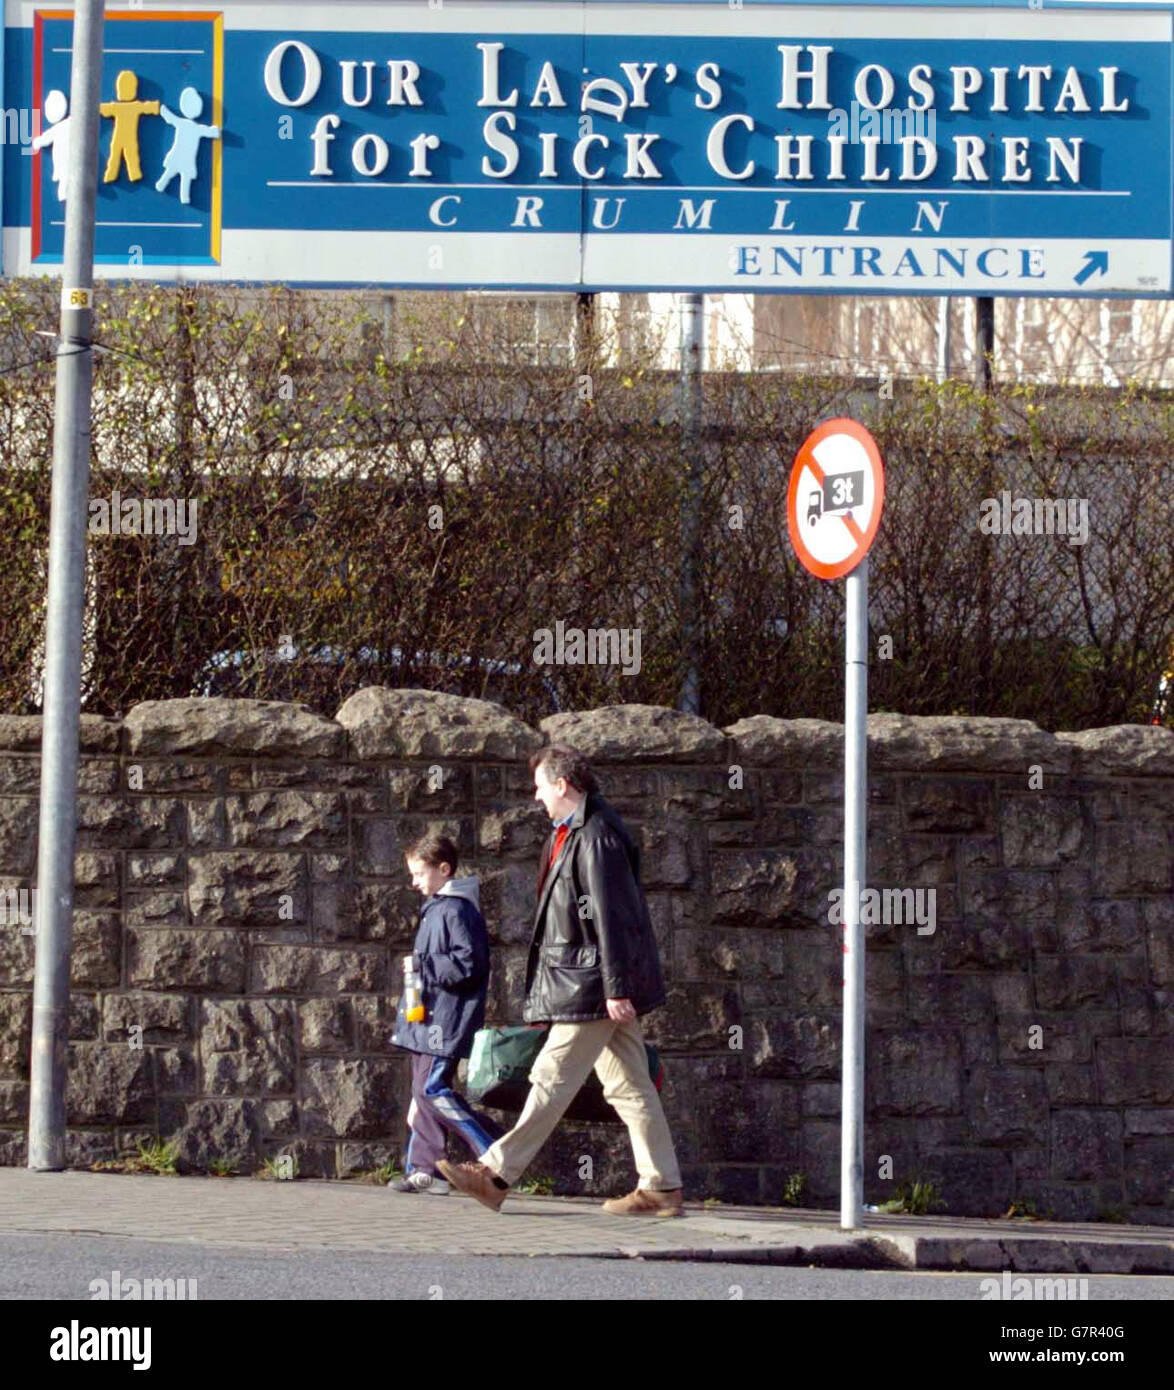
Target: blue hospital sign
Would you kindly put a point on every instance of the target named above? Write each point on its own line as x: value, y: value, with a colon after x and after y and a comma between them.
x: 672, y: 144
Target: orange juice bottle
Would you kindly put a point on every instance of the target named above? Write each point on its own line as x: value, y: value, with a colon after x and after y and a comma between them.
x: 413, y: 994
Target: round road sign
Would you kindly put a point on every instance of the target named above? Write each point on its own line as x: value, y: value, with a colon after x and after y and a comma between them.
x: 835, y: 499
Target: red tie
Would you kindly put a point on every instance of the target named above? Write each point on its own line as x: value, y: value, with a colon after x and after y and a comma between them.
x: 559, y: 836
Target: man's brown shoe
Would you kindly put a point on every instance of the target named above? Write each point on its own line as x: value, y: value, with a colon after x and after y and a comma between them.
x: 474, y: 1180
x: 644, y: 1202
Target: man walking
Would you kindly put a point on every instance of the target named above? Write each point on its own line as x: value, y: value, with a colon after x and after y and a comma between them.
x: 593, y: 969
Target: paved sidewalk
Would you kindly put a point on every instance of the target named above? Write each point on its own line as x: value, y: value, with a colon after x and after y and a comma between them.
x: 352, y: 1216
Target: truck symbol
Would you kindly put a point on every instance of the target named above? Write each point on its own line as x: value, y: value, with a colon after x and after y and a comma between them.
x: 814, y: 506
x: 843, y: 491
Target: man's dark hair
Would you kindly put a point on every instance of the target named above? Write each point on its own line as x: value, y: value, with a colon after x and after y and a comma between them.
x: 560, y: 760
x: 434, y: 850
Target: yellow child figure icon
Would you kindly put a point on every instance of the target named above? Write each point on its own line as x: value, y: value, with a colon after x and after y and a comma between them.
x: 125, y: 113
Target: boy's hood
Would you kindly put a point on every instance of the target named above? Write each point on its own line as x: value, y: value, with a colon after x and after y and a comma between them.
x: 462, y: 888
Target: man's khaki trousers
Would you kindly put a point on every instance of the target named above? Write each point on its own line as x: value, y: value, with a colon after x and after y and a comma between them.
x: 616, y: 1051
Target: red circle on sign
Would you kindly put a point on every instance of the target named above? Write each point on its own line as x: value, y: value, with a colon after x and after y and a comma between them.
x: 864, y: 537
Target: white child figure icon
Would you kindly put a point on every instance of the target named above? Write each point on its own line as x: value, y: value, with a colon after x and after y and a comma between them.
x: 57, y: 138
x: 181, y: 157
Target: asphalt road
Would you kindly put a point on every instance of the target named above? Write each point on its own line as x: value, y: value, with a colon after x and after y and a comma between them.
x: 62, y: 1267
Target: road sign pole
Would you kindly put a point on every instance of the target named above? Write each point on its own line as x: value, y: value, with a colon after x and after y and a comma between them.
x: 855, y: 867
x: 63, y: 628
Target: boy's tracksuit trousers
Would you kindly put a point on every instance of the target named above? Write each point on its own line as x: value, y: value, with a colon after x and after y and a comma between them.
x: 436, y: 1107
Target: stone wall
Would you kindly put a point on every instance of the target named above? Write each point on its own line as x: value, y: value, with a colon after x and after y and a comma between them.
x: 242, y: 904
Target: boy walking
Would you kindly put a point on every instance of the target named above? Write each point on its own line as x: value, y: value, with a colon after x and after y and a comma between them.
x: 450, y: 958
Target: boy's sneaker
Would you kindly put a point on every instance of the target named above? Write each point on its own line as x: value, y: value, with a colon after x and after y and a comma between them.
x: 420, y: 1181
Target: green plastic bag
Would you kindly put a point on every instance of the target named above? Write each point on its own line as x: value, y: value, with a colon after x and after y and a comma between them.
x: 499, y: 1074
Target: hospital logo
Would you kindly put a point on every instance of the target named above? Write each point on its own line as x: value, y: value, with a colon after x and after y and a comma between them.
x: 160, y: 184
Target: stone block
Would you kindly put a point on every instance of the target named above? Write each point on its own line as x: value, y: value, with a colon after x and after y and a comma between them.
x: 159, y: 958
x: 947, y: 804
x: 1145, y: 1012
x: 1071, y: 982
x: 1126, y: 750
x: 1086, y: 1145
x: 326, y: 1025
x: 426, y: 724
x: 710, y: 954
x: 1107, y: 925
x: 109, y: 1085
x: 230, y: 727
x: 507, y: 989
x: 171, y: 775
x: 204, y: 1130
x: 794, y: 1048
x: 1040, y: 831
x: 83, y: 1017
x: 914, y: 1072
x: 946, y: 743
x: 248, y: 1047
x: 96, y: 961
x: 272, y: 1119
x: 391, y: 912
x: 350, y: 1098
x: 241, y: 889
x: 164, y: 908
x: 316, y: 970
x: 754, y: 1121
x: 1040, y: 1037
x: 763, y: 741
x: 1149, y: 1172
x: 14, y: 1102
x: 176, y: 1073
x: 271, y: 820
x: 145, y: 870
x: 929, y: 860
x: 694, y: 1018
x: 630, y: 733
x: 754, y: 889
x: 982, y: 944
x: 129, y: 822
x: 664, y: 854
x: 95, y: 880
x: 373, y: 1018
x: 515, y: 831
x: 18, y: 835
x: 706, y: 794
x: 1135, y: 1071
x: 161, y: 1018
x: 1071, y: 1083
x: 439, y: 789
x: 1131, y: 857
x: 1007, y: 1106
x: 17, y: 954
x: 972, y: 1182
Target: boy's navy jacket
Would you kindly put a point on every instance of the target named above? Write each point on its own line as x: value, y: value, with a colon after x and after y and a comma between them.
x: 452, y: 952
